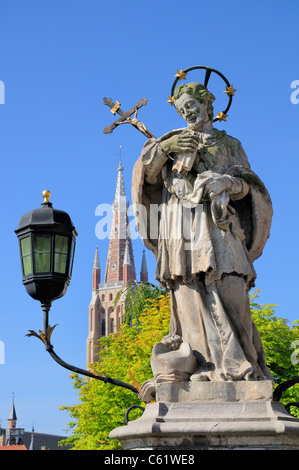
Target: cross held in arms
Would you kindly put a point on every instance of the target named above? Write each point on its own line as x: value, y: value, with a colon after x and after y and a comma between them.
x: 126, y: 117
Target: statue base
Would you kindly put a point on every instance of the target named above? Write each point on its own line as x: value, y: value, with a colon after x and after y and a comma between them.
x: 218, y: 416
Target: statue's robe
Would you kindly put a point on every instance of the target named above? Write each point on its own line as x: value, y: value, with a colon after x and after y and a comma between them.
x: 205, y: 248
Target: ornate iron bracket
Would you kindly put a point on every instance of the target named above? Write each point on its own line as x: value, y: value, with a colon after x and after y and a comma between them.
x: 45, y: 338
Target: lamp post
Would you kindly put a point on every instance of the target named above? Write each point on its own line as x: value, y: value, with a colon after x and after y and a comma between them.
x: 47, y: 239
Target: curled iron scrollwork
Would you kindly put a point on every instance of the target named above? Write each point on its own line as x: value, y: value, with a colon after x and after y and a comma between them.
x: 281, y: 388
x: 129, y: 411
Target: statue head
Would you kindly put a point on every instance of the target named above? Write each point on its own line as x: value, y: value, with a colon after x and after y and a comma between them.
x: 199, y: 92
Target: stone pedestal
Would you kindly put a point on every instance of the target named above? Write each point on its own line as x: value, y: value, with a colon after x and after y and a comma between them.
x: 212, y: 415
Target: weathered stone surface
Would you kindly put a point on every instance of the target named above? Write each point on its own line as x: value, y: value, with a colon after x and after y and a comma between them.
x: 251, y: 425
x: 172, y: 358
x: 243, y: 390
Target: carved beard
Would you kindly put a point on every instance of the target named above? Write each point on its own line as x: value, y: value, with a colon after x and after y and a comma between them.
x: 200, y: 123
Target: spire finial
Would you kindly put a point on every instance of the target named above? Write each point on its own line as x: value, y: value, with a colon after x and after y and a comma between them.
x: 46, y: 195
x: 120, y: 195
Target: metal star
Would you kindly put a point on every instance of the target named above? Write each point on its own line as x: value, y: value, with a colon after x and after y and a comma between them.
x: 221, y: 116
x: 181, y: 74
x: 230, y: 91
x: 171, y: 100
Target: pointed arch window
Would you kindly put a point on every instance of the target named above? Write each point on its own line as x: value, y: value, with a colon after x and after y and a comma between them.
x: 103, y: 327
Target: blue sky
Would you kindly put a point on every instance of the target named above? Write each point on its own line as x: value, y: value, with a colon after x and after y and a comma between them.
x: 58, y: 59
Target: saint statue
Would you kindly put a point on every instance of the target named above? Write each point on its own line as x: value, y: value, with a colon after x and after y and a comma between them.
x: 206, y: 217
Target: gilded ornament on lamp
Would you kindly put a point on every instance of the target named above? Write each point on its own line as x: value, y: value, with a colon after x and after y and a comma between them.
x: 46, y: 195
x: 133, y: 380
x: 45, y: 339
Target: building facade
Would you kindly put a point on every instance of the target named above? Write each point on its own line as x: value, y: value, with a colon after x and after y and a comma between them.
x: 106, y: 316
x: 16, y: 438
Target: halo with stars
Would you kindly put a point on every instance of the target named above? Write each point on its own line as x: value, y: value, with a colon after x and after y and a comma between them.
x: 229, y: 90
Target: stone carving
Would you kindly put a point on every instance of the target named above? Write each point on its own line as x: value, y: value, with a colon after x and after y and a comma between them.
x: 206, y: 217
x: 172, y: 361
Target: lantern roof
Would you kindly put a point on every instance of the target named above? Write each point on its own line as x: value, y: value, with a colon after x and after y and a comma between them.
x: 44, y: 216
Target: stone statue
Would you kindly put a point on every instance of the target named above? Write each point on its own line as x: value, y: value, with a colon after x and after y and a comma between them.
x: 206, y: 217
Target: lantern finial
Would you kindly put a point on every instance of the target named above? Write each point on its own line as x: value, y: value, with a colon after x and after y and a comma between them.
x: 46, y: 195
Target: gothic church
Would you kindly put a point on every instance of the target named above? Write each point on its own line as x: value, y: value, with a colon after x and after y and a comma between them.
x: 104, y: 316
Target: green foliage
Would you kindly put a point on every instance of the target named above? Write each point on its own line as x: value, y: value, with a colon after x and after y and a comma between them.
x: 138, y: 296
x: 125, y: 355
x: 280, y: 340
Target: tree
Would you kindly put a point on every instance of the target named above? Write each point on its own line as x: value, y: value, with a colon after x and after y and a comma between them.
x: 137, y: 298
x: 125, y: 355
x: 280, y: 339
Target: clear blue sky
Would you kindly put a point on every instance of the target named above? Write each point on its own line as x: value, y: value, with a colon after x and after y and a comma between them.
x: 58, y: 59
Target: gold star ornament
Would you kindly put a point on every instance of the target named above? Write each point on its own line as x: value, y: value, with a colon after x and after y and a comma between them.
x: 171, y: 100
x: 221, y: 116
x: 181, y: 75
x: 230, y: 91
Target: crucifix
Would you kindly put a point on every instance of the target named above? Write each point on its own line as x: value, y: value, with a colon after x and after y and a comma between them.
x: 126, y: 117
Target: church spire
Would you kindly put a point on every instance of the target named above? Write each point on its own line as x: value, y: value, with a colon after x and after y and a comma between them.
x: 120, y: 195
x: 120, y: 236
x: 127, y: 266
x: 96, y: 271
x: 13, y: 435
x: 96, y: 261
x: 31, y: 447
x: 12, y: 418
x: 143, y: 270
x: 106, y: 316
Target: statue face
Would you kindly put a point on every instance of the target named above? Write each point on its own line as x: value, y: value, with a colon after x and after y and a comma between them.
x: 192, y: 110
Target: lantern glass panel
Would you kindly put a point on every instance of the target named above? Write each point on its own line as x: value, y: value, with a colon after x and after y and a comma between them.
x: 72, y: 257
x: 61, y: 253
x: 26, y: 256
x: 42, y: 248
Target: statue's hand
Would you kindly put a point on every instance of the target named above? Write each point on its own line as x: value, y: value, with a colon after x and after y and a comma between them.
x: 219, y: 185
x: 180, y: 143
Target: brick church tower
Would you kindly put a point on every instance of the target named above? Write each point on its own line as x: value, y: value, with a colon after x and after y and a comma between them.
x: 104, y: 316
x: 14, y: 436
